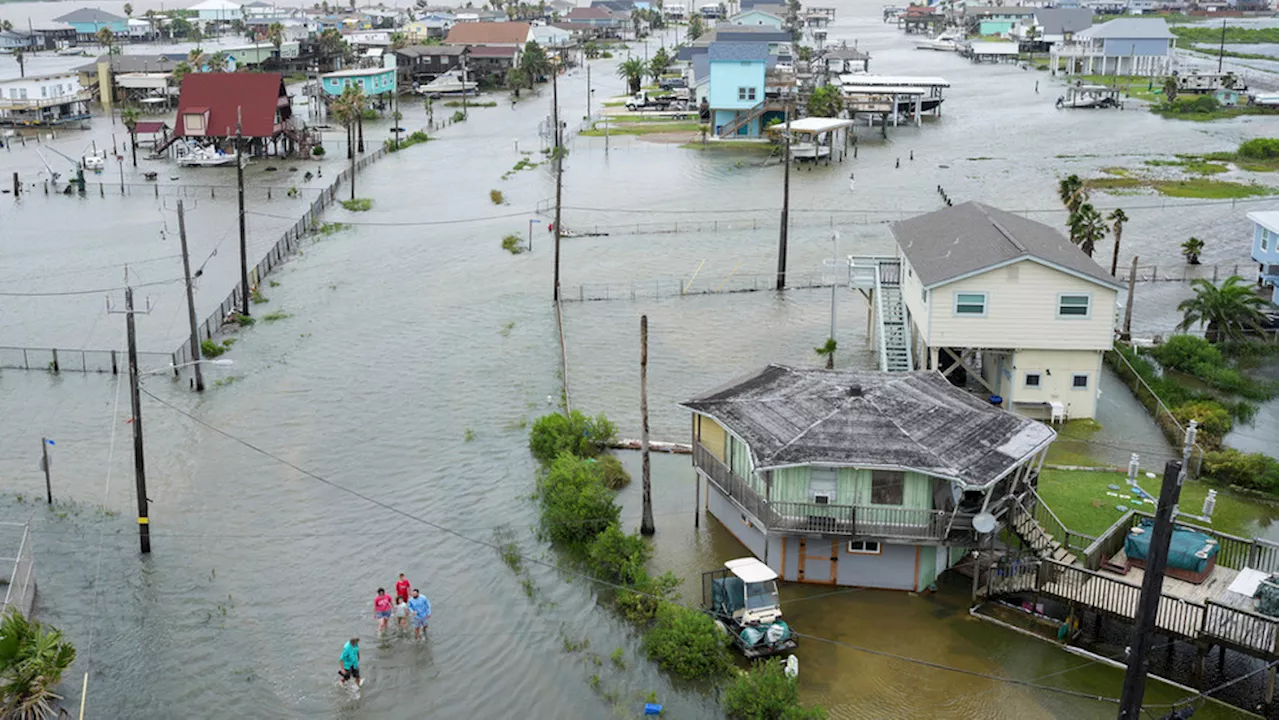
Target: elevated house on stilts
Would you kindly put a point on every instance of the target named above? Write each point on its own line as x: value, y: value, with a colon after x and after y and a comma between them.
x: 210, y: 104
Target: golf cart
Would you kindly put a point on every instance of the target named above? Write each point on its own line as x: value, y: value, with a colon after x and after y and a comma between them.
x: 743, y: 599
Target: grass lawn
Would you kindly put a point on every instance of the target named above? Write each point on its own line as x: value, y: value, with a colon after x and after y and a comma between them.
x: 1079, y: 498
x: 1244, y: 163
x: 1199, y: 187
x: 743, y: 146
x: 1219, y: 114
x: 1072, y: 445
x: 647, y: 128
x: 1191, y: 164
x: 1142, y: 88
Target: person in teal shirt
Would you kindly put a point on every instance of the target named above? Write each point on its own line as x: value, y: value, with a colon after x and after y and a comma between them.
x: 350, y: 662
x: 420, y: 608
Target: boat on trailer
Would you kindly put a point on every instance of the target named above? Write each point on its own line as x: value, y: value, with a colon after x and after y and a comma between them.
x: 450, y: 83
x: 192, y: 155
x: 1090, y: 97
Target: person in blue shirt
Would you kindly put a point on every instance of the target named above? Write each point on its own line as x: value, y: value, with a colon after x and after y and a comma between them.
x: 421, y: 609
x: 349, y: 662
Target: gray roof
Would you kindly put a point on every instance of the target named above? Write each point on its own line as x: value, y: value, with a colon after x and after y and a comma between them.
x: 912, y: 421
x: 431, y: 50
x: 89, y: 15
x: 980, y: 10
x: 738, y: 51
x: 969, y: 238
x: 1130, y: 29
x: 161, y: 62
x: 1057, y: 21
x: 844, y: 53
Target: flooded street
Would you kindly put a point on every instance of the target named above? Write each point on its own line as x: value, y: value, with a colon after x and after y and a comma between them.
x: 416, y: 351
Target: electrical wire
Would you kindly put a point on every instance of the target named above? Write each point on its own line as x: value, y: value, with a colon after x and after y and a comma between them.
x: 106, y: 492
x: 596, y: 580
x: 422, y: 223
x: 66, y: 293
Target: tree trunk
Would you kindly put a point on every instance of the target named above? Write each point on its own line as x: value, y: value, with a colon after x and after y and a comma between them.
x: 360, y: 125
x: 351, y: 147
x: 1115, y: 255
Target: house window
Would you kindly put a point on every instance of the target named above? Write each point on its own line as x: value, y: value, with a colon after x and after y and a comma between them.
x: 1080, y: 381
x: 1265, y: 237
x: 924, y: 295
x: 971, y: 304
x: 1073, y: 306
x: 1032, y: 380
x: 746, y: 93
x: 886, y: 487
x: 864, y: 547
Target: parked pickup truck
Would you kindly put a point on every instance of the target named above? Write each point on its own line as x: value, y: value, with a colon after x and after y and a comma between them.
x: 644, y: 101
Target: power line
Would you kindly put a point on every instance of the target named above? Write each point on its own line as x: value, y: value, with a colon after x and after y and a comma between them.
x: 66, y: 293
x: 459, y: 221
x: 596, y: 580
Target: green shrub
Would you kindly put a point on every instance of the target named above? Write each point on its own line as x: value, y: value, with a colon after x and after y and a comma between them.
x: 1260, y: 148
x: 1213, y: 420
x: 617, y: 557
x: 211, y: 349
x: 1253, y: 471
x: 459, y: 116
x: 1186, y: 352
x: 649, y: 594
x: 318, y: 151
x: 496, y: 197
x: 511, y: 243
x: 576, y: 506
x: 615, y: 476
x: 766, y: 693
x: 575, y: 434
x: 369, y: 114
x: 688, y: 644
x: 358, y: 204
x: 1198, y: 104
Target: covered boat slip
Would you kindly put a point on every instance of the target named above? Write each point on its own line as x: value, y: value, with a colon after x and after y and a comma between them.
x: 894, y: 95
x: 813, y: 138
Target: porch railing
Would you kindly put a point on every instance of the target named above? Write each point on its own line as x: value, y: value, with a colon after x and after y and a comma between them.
x: 1234, y: 552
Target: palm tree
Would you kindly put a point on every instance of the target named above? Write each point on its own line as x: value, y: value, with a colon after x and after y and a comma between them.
x: 196, y: 59
x: 534, y: 63
x: 1226, y: 312
x: 659, y: 63
x: 1118, y: 219
x: 128, y: 10
x: 275, y: 34
x: 828, y: 350
x: 1191, y: 250
x: 180, y: 71
x: 632, y: 71
x: 218, y: 62
x: 347, y: 107
x: 1087, y: 228
x: 129, y: 116
x: 32, y: 660
x: 20, y: 58
x: 399, y: 40
x: 106, y: 38
x: 1072, y: 192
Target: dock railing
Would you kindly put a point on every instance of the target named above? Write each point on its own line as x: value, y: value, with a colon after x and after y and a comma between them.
x: 1031, y: 503
x: 1234, y: 552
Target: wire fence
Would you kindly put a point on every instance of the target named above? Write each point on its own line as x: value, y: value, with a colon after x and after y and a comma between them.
x: 1173, y: 430
x: 690, y: 285
x: 20, y: 592
x: 71, y: 360
x: 1187, y: 273
x: 287, y: 245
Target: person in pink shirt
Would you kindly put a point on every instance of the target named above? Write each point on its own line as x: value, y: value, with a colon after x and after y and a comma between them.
x: 382, y: 609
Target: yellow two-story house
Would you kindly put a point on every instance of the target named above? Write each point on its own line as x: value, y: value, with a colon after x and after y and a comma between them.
x: 997, y: 300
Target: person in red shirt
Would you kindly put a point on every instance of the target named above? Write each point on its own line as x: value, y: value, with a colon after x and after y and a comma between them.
x: 402, y: 588
x: 382, y: 610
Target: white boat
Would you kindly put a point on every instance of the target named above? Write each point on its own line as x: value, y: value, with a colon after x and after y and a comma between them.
x: 946, y: 41
x: 1090, y: 96
x: 192, y: 155
x: 449, y: 83
x: 94, y: 162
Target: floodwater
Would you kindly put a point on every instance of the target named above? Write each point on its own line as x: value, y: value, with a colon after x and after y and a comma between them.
x: 415, y: 355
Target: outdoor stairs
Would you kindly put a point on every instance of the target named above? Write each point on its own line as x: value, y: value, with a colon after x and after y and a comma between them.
x: 731, y: 129
x: 893, y: 326
x: 1034, y: 535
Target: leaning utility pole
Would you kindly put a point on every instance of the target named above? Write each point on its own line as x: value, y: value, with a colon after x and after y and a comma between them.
x: 191, y: 303
x: 1149, y: 601
x: 139, y: 461
x: 786, y: 200
x: 1222, y: 46
x: 646, y: 519
x: 244, y: 253
x: 1128, y: 301
x: 559, y: 156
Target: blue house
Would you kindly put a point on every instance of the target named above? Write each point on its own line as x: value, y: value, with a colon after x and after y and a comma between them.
x: 757, y: 17
x: 1124, y: 46
x: 1266, y: 235
x: 88, y: 21
x: 736, y: 91
x: 374, y: 81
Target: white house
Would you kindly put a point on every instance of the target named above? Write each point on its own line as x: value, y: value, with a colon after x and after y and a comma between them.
x: 43, y: 99
x: 1124, y: 46
x: 1002, y: 301
x: 869, y: 479
x: 218, y: 11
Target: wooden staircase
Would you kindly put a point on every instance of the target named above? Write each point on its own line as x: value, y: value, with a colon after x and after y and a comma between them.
x: 758, y: 110
x: 1023, y: 523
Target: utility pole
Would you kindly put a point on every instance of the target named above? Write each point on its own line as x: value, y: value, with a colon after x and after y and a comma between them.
x: 1222, y: 46
x: 244, y: 259
x: 559, y: 155
x: 191, y: 303
x: 646, y: 519
x: 464, y: 85
x: 786, y: 201
x: 835, y: 280
x: 1128, y: 302
x: 584, y: 62
x: 44, y: 465
x: 139, y: 461
x: 1188, y: 444
x: 1149, y: 601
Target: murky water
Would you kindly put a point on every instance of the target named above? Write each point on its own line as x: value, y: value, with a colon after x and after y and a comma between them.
x: 403, y: 337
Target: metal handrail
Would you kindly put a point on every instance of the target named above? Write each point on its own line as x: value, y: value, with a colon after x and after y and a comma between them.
x: 884, y: 353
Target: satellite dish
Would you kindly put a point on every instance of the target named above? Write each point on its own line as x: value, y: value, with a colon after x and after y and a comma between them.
x: 984, y: 523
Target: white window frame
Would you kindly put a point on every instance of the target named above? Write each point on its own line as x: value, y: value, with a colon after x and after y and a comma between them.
x: 1088, y: 308
x: 1074, y: 376
x: 955, y: 304
x: 863, y: 547
x: 1039, y: 376
x: 1262, y: 232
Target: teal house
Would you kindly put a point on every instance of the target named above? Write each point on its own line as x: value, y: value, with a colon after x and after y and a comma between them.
x: 374, y: 81
x: 736, y: 92
x: 868, y: 479
x: 88, y: 21
x: 996, y: 20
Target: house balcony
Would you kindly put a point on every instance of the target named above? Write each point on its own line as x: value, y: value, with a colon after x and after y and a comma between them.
x: 877, y: 522
x: 42, y: 102
x: 1077, y: 51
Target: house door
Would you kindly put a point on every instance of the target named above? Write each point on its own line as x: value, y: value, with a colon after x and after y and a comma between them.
x: 818, y: 558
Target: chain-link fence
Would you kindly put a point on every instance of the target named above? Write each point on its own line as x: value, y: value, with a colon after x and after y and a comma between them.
x: 1173, y: 430
x: 1187, y: 273
x: 675, y: 287
x: 72, y: 360
x: 20, y: 592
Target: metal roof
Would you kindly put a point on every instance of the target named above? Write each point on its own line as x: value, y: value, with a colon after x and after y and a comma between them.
x: 738, y: 51
x: 1056, y: 21
x: 851, y: 79
x: 817, y: 125
x: 488, y: 33
x: 255, y: 95
x: 1129, y: 29
x: 908, y: 421
x: 1268, y: 220
x: 970, y: 238
x: 89, y: 15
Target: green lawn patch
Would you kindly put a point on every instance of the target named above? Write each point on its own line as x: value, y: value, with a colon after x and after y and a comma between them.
x: 1188, y: 37
x: 1079, y: 498
x: 642, y: 128
x: 1137, y: 86
x: 1184, y: 108
x: 471, y: 103
x: 358, y: 204
x: 743, y: 146
x: 1072, y: 444
x: 1190, y: 188
x: 1192, y: 164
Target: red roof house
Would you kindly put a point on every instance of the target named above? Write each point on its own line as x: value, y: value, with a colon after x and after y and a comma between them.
x: 209, y: 104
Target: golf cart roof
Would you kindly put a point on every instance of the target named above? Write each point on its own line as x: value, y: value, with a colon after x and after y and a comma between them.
x: 751, y: 570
